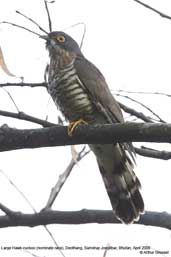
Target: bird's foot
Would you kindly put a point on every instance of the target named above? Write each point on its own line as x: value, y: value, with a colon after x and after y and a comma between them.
x: 74, y: 124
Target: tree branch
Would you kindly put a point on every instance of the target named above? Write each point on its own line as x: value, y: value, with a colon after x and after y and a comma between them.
x: 26, y: 117
x: 159, y: 119
x: 12, y: 139
x: 11, y: 214
x: 22, y: 84
x: 163, y: 15
x: 153, y: 153
x: 63, y: 177
x: 157, y: 219
x: 143, y: 92
x: 133, y: 112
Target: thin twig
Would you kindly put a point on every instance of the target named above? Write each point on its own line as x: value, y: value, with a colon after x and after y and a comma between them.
x: 34, y: 22
x: 106, y: 250
x: 43, y: 84
x: 32, y: 254
x: 26, y: 117
x: 163, y: 15
x: 18, y: 190
x: 53, y: 239
x: 63, y: 177
x: 83, y: 36
x: 5, y: 209
x: 153, y: 153
x: 12, y: 99
x: 84, y: 31
x: 19, y: 26
x: 139, y: 115
x: 48, y: 14
x: 143, y: 105
x: 142, y: 92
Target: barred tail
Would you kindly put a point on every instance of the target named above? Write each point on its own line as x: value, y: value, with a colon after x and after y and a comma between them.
x: 120, y: 181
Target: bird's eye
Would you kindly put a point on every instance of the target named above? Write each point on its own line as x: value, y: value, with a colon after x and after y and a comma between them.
x: 60, y: 39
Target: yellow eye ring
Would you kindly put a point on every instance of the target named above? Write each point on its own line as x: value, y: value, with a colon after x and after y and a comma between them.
x: 60, y: 39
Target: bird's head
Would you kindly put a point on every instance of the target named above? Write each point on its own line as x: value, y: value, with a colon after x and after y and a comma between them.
x: 58, y: 41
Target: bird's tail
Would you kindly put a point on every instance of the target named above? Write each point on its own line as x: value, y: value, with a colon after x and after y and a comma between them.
x: 121, y: 183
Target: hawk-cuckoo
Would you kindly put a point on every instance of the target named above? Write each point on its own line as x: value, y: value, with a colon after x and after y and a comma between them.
x: 80, y: 91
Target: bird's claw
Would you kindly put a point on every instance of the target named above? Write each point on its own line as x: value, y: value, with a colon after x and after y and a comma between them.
x: 74, y: 124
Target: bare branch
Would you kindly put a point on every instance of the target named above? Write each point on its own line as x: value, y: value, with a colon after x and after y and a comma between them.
x: 61, y: 181
x: 153, y: 153
x: 31, y: 20
x: 21, y: 27
x: 143, y: 105
x: 133, y: 112
x: 43, y: 84
x: 48, y: 14
x: 106, y: 250
x: 157, y: 219
x: 11, y: 214
x: 19, y: 191
x: 143, y: 92
x: 163, y: 15
x: 12, y: 99
x: 84, y: 31
x: 14, y: 215
x: 63, y: 177
x: 83, y: 36
x: 11, y: 139
x: 32, y: 254
x: 26, y: 117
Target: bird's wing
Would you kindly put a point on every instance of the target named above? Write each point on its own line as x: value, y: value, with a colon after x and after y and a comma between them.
x: 95, y: 85
x: 97, y: 88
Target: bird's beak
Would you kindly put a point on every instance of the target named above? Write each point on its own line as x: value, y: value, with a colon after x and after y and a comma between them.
x: 45, y: 37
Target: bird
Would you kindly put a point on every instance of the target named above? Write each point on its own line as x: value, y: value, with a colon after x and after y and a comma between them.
x: 80, y: 92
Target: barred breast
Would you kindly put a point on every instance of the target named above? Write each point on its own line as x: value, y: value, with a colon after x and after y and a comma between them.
x: 69, y: 95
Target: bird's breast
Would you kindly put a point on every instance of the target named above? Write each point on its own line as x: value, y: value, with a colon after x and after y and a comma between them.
x: 69, y: 95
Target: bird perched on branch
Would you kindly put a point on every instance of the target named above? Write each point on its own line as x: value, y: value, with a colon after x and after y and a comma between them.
x: 80, y: 91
